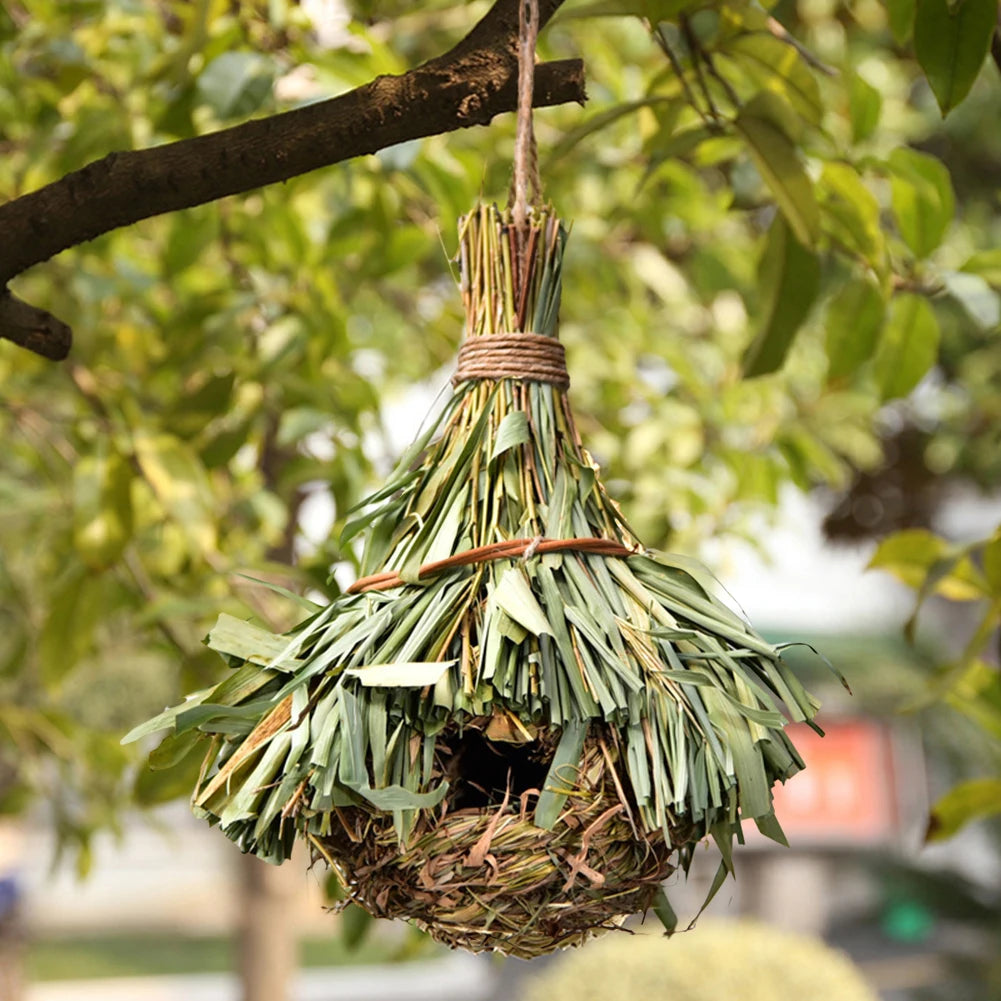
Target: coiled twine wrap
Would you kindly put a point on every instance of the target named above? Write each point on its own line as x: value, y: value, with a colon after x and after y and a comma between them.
x: 525, y: 356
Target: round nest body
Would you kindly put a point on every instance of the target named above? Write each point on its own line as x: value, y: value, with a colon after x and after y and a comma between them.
x: 486, y: 878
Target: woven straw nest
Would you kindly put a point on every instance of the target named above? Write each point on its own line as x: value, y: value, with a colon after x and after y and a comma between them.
x: 515, y: 724
x: 485, y: 877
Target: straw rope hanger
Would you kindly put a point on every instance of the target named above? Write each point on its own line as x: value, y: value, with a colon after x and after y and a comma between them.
x: 521, y: 355
x: 526, y: 160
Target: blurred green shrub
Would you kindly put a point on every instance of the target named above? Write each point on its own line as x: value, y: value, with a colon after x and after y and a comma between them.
x: 744, y: 960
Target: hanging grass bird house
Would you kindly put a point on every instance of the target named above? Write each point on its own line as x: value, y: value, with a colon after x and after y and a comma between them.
x: 518, y: 722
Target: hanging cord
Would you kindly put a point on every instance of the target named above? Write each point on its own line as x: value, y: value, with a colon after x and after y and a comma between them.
x: 526, y: 161
x: 519, y: 354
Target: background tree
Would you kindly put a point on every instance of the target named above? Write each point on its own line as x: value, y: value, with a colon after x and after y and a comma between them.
x: 769, y: 283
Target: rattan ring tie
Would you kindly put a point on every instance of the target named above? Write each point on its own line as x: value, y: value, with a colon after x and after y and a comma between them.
x: 511, y: 549
x: 531, y: 357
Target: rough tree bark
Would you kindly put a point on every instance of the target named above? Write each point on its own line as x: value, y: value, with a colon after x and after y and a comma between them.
x: 466, y: 86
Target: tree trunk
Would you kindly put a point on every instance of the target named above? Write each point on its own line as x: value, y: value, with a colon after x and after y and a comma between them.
x: 268, y: 942
x: 11, y: 957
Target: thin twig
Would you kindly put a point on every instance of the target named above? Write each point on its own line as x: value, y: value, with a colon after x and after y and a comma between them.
x: 697, y: 53
x: 779, y: 31
x: 661, y: 39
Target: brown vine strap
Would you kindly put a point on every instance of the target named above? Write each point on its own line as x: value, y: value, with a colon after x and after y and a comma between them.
x: 533, y: 357
x: 495, y: 551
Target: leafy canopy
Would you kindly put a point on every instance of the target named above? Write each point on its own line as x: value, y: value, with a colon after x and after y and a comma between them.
x: 768, y: 262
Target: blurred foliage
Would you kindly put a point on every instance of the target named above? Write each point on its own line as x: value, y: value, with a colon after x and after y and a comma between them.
x: 718, y: 959
x: 969, y: 682
x: 139, y: 954
x: 767, y: 193
x: 956, y: 915
x: 964, y: 695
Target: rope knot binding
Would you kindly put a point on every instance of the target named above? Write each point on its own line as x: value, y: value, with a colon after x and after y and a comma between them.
x: 525, y: 356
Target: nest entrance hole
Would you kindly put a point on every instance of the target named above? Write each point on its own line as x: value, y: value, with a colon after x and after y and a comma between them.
x: 482, y: 771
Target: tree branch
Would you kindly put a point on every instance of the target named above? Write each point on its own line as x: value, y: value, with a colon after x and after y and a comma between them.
x: 467, y: 86
x: 33, y: 328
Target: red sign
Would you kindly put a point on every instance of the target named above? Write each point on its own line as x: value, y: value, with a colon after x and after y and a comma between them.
x: 848, y: 792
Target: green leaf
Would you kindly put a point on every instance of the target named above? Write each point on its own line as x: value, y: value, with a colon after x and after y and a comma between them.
x: 236, y: 84
x: 513, y: 595
x: 298, y: 422
x: 191, y: 232
x: 654, y: 11
x: 173, y: 780
x: 222, y: 442
x: 102, y: 508
x: 778, y: 67
x: 513, y: 431
x: 601, y: 121
x: 951, y: 42
x: 854, y: 319
x: 770, y: 827
x: 178, y: 479
x: 952, y: 575
x: 923, y: 201
x: 706, y: 583
x: 166, y: 719
x: 237, y: 638
x: 864, y: 106
x: 664, y: 911
x: 174, y: 748
x: 908, y: 347
x: 987, y: 265
x: 212, y: 397
x: 677, y: 146
x: 310, y: 606
x: 810, y: 458
x: 909, y: 555
x: 562, y: 774
x: 443, y: 544
x: 969, y: 801
x: 356, y: 923
x: 778, y: 163
x: 992, y: 563
x: 979, y: 301
x: 851, y: 212
x: 901, y: 17
x: 789, y: 274
x: 198, y: 716
x: 396, y: 797
x: 77, y: 603
x: 976, y: 692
